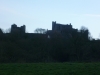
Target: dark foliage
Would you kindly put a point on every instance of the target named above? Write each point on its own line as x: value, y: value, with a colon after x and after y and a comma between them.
x: 38, y: 48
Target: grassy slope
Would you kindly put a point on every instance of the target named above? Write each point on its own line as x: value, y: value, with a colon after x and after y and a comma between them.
x: 50, y: 69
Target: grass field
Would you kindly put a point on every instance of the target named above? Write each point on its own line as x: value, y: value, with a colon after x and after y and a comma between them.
x: 50, y: 69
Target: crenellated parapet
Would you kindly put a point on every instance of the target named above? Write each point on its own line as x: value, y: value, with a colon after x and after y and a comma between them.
x: 61, y: 27
x: 15, y: 29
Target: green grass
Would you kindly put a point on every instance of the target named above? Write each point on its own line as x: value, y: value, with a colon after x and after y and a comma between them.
x: 50, y: 69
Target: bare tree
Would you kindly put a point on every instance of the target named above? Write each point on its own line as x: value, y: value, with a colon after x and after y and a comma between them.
x: 83, y: 29
x: 85, y: 33
x: 1, y: 31
x: 8, y: 30
x: 40, y: 30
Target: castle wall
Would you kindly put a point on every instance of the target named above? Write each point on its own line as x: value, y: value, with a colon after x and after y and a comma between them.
x: 60, y: 27
x: 15, y: 29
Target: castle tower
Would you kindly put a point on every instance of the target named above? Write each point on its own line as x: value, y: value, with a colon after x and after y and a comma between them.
x: 53, y: 25
x: 61, y: 27
x: 22, y: 29
x: 15, y: 29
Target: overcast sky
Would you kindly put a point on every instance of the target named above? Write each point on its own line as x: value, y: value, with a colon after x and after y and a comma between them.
x: 40, y: 14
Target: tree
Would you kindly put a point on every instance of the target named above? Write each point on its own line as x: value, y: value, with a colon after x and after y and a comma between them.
x: 1, y: 31
x: 84, y: 33
x: 1, y: 34
x: 40, y: 30
x: 8, y: 30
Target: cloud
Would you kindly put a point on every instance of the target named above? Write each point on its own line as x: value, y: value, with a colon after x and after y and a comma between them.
x: 5, y: 9
x: 88, y: 15
x: 92, y: 15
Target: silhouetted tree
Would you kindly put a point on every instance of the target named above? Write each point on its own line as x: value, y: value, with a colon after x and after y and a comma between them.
x: 40, y: 30
x: 8, y: 30
x: 75, y: 45
x: 1, y: 31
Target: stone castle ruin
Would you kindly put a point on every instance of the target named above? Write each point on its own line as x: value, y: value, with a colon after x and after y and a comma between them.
x: 15, y: 29
x: 57, y: 29
x: 61, y: 27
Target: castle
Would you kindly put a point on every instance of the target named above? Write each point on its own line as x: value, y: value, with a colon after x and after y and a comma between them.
x: 61, y: 27
x: 15, y: 29
x: 56, y: 28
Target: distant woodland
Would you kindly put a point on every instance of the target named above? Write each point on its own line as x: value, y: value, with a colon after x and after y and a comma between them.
x: 78, y: 46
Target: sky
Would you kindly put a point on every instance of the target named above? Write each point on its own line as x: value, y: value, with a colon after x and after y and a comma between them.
x: 40, y: 14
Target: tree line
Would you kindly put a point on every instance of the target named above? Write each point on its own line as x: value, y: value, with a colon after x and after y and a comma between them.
x: 80, y: 47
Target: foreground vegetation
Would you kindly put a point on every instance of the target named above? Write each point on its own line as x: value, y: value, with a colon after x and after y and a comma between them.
x: 34, y: 48
x: 50, y: 69
x: 68, y: 45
